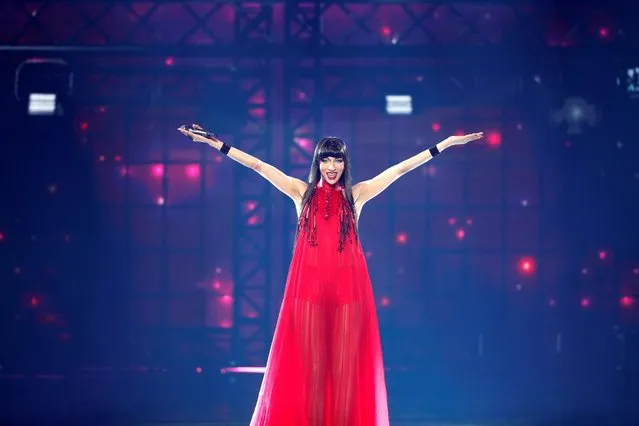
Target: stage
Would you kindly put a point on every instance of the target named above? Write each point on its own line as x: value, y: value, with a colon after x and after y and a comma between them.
x: 156, y: 397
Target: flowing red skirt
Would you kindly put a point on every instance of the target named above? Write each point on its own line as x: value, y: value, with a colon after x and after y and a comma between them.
x: 325, y: 364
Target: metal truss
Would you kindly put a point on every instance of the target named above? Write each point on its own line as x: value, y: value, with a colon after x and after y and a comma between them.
x: 146, y: 88
x: 122, y: 46
x: 284, y: 29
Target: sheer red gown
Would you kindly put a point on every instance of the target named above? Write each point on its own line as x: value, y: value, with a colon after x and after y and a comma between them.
x: 325, y: 365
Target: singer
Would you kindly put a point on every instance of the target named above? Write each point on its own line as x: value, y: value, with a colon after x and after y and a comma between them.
x: 325, y: 365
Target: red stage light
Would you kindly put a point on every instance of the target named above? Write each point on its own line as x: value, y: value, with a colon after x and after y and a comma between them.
x: 526, y: 266
x: 384, y: 301
x: 626, y: 301
x: 84, y: 125
x: 1, y: 236
x: 436, y: 127
x: 460, y: 234
x: 401, y: 238
x: 157, y: 170
x: 585, y: 302
x: 198, y: 370
x: 494, y: 139
x: 452, y: 221
x: 192, y: 171
x: 386, y: 31
x: 169, y: 61
x: 602, y: 255
x: 604, y: 32
x: 253, y: 220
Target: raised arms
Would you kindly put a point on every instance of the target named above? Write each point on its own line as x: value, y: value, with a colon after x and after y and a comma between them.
x: 290, y: 186
x: 369, y: 189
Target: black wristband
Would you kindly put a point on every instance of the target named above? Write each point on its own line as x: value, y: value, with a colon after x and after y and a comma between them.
x: 225, y: 148
x: 434, y: 151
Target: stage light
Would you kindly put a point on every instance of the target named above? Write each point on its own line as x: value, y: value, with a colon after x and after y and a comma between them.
x: 452, y: 221
x: 159, y: 201
x: 169, y: 61
x: 384, y: 301
x: 399, y: 104
x: 42, y: 104
x: 253, y: 220
x: 1, y: 236
x: 493, y: 138
x: 157, y: 170
x: 627, y: 301
x: 526, y: 266
x: 630, y: 82
x: 585, y: 302
x: 84, y: 126
x: 386, y: 31
x: 44, y: 84
x: 216, y: 285
x: 602, y: 255
x: 401, y: 238
x: 604, y: 32
x: 460, y: 234
x: 552, y: 303
x: 198, y: 370
x: 575, y: 113
x: 192, y: 171
x: 226, y: 299
x: 436, y: 127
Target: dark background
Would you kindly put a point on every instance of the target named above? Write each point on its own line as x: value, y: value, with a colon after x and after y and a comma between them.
x: 136, y: 266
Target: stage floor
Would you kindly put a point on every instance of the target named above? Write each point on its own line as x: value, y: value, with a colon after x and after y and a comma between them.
x: 160, y: 398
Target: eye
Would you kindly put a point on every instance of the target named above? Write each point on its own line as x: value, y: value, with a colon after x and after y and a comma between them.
x: 324, y: 160
x: 339, y: 160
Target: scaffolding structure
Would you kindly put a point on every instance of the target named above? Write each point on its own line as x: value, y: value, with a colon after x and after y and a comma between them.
x: 320, y: 53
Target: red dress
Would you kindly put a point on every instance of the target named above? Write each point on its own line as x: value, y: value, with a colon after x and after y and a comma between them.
x: 325, y: 364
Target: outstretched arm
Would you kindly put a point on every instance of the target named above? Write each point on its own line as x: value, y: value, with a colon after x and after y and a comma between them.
x: 290, y: 186
x: 369, y: 189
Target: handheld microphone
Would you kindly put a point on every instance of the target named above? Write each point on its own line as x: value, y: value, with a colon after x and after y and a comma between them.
x: 200, y: 132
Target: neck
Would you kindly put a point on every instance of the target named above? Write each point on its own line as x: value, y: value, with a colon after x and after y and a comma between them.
x: 323, y: 183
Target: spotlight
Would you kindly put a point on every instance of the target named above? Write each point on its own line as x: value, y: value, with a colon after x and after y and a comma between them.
x: 631, y: 82
x: 399, y: 104
x: 575, y: 113
x: 44, y: 84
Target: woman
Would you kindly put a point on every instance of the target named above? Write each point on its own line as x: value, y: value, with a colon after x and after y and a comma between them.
x: 325, y: 365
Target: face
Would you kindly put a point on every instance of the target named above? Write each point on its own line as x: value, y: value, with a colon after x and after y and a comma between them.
x: 331, y: 169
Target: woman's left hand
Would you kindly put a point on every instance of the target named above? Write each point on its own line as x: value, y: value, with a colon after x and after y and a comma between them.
x: 463, y: 140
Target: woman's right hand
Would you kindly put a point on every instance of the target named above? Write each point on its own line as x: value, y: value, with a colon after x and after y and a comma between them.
x: 195, y: 137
